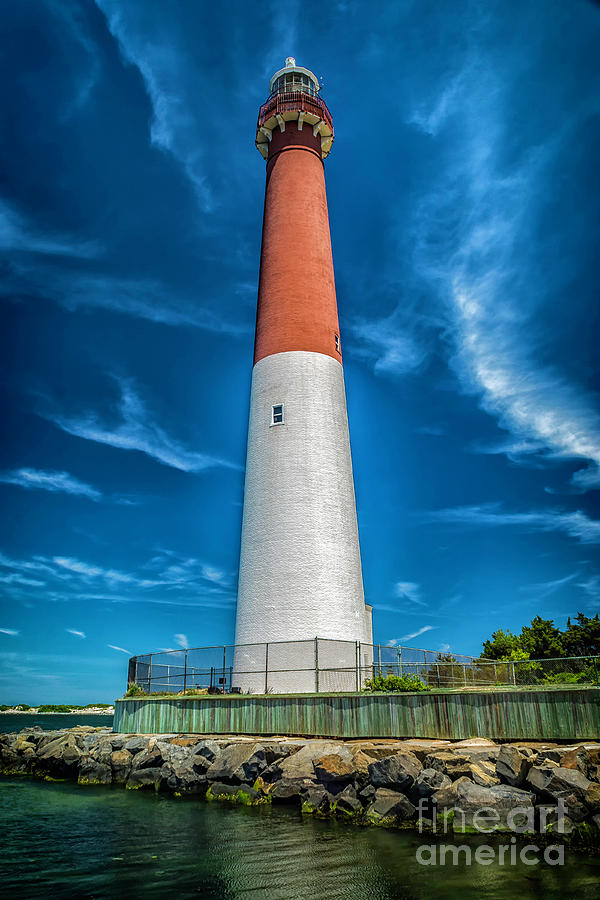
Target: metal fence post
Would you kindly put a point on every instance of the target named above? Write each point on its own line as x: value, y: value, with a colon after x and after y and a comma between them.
x: 267, y: 668
x: 317, y: 665
x: 358, y: 665
x: 185, y: 672
x: 399, y: 660
x: 150, y: 675
x: 379, y: 657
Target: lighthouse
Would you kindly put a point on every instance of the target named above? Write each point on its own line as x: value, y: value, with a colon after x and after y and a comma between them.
x: 300, y: 574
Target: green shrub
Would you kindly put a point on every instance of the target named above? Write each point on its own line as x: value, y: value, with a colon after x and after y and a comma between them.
x: 23, y: 707
x: 4, y: 707
x: 134, y: 690
x: 55, y: 708
x: 394, y: 683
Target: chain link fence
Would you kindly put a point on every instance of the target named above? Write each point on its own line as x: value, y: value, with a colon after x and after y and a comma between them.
x: 331, y: 666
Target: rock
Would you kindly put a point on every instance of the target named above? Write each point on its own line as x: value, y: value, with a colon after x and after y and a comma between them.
x: 147, y: 759
x: 120, y: 761
x: 552, y: 820
x: 447, y: 797
x: 347, y: 805
x: 317, y: 802
x: 483, y: 773
x: 290, y: 790
x: 553, y: 782
x: 454, y: 765
x: 367, y: 794
x: 93, y: 772
x: 136, y: 744
x: 429, y: 781
x: 512, y: 765
x: 477, y: 743
x: 335, y: 768
x: 398, y: 772
x: 237, y: 764
x: 592, y: 797
x: 60, y: 757
x: 489, y: 809
x: 144, y: 778
x: 389, y: 808
x: 118, y: 741
x: 220, y: 791
x: 184, y: 777
x: 208, y: 749
x: 588, y: 761
x: 301, y: 763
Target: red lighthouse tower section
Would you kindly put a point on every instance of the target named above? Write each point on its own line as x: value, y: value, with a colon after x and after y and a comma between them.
x: 297, y: 306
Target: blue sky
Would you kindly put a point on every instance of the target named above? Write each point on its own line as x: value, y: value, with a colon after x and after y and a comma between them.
x: 464, y: 204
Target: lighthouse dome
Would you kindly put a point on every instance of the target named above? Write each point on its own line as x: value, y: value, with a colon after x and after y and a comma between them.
x: 294, y: 78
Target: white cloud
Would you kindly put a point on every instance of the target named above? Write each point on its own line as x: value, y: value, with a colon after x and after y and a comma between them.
x: 137, y: 432
x: 478, y: 245
x: 120, y: 649
x: 73, y: 631
x: 177, y: 126
x: 416, y: 634
x: 56, y: 482
x: 17, y: 234
x: 548, y: 588
x: 10, y: 631
x: 409, y: 590
x: 394, y: 351
x: 182, y: 640
x: 575, y: 524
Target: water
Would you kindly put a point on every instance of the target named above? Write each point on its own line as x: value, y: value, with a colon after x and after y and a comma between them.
x: 62, y: 840
x: 50, y: 721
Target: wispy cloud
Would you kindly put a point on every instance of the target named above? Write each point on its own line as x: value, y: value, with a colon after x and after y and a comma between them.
x: 409, y: 590
x: 410, y: 637
x: 547, y: 588
x: 176, y: 125
x: 392, y: 350
x: 18, y: 235
x: 12, y: 632
x: 575, y: 524
x: 55, y: 482
x: 137, y: 431
x: 182, y: 640
x: 75, y: 633
x: 120, y: 649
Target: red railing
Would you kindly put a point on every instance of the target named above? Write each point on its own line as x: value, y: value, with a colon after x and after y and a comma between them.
x: 296, y: 100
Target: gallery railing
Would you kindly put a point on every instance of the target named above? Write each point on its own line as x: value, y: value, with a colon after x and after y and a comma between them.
x: 325, y: 665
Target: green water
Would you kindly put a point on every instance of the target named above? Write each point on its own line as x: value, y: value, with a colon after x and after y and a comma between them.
x: 50, y: 721
x: 62, y: 840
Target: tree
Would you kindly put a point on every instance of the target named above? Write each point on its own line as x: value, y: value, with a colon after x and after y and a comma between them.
x: 501, y: 645
x: 582, y: 637
x: 542, y: 639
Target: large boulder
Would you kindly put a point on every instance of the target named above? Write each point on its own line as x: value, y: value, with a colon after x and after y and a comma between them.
x: 317, y: 802
x: 137, y: 744
x: 151, y: 758
x: 455, y: 765
x: 484, y: 773
x: 335, y: 768
x: 446, y: 797
x: 60, y: 757
x: 94, y: 772
x: 120, y: 761
x: 347, y: 804
x: 396, y: 773
x: 554, y: 782
x: 238, y: 764
x: 512, y: 765
x: 144, y: 778
x: 389, y: 808
x: 497, y: 808
x: 429, y: 781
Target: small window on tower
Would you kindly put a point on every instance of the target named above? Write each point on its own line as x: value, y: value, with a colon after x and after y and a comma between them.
x: 337, y: 342
x: 277, y: 414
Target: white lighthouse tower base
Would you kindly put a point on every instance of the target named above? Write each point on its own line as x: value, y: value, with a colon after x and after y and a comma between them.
x: 300, y: 570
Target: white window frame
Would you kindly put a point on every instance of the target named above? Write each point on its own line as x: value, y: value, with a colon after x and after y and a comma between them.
x: 273, y: 408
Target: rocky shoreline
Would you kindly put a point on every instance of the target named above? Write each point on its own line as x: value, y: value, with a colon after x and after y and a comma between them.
x: 461, y: 787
